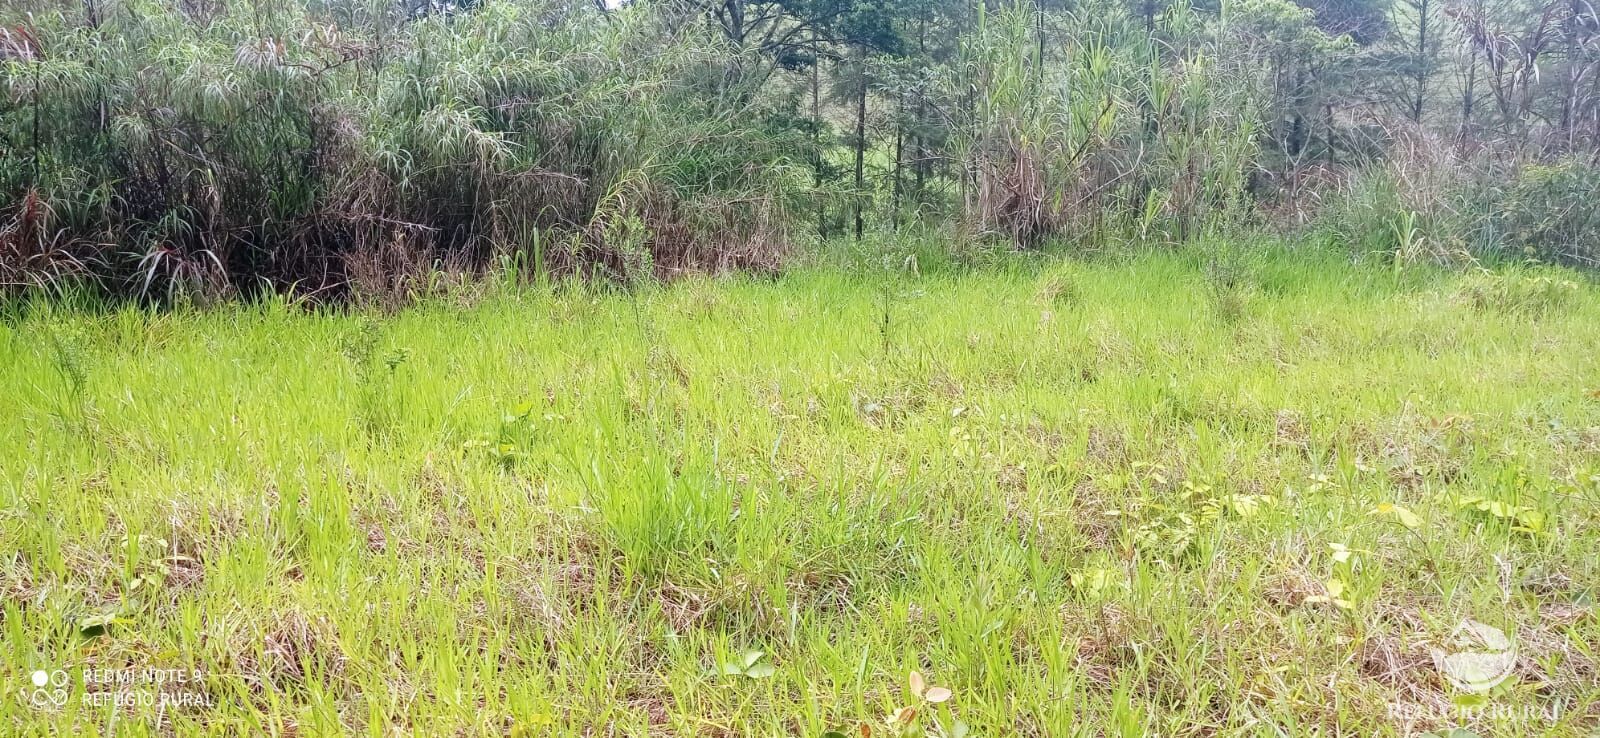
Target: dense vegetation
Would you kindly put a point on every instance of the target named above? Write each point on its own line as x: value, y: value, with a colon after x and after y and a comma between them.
x: 1071, y: 367
x: 1174, y: 496
x: 157, y: 148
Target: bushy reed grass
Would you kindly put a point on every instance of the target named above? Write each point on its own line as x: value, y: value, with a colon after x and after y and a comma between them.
x: 1131, y: 134
x: 158, y: 147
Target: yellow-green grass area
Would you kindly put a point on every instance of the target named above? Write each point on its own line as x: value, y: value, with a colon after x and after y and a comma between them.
x: 1153, y: 495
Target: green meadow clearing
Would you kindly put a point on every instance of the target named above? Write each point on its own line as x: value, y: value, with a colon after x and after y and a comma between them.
x: 1157, y: 495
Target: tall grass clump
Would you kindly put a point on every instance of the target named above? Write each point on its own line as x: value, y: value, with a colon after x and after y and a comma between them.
x: 156, y: 147
x: 1139, y: 131
x: 1431, y: 202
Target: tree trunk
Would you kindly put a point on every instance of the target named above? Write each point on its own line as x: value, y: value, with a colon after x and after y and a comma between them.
x: 918, y: 167
x: 1574, y: 69
x: 1423, y: 61
x: 861, y: 151
x: 816, y: 135
x: 1467, y: 100
x: 899, y: 159
x: 1039, y: 30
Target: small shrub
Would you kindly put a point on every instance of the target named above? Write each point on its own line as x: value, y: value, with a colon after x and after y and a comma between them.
x: 1232, y: 283
x: 1548, y: 213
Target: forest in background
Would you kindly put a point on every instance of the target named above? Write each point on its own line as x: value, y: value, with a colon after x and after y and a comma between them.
x: 158, y: 149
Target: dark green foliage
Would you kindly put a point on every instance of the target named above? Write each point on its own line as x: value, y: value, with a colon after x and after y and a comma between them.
x: 1549, y: 212
x: 1366, y: 22
x: 165, y: 150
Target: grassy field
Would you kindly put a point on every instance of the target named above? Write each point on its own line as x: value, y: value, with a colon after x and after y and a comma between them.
x: 1151, y: 496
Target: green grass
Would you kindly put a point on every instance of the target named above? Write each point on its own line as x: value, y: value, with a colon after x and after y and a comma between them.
x: 1089, y: 498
